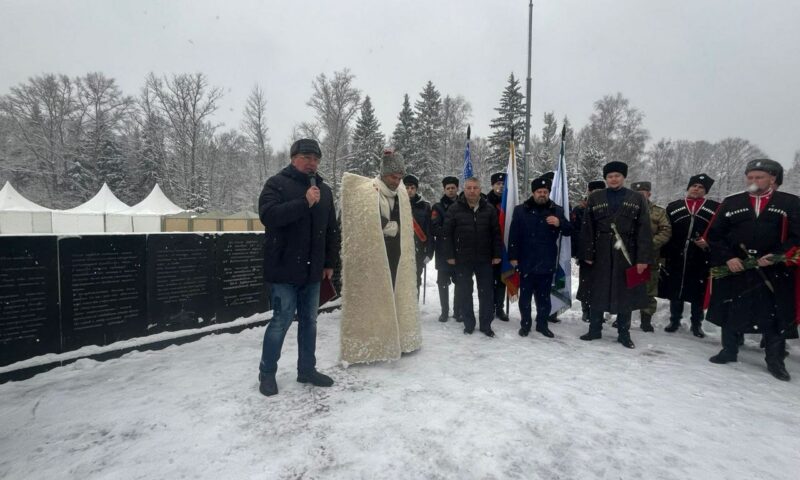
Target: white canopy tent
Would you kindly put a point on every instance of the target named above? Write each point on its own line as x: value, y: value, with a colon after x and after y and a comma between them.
x: 145, y: 216
x: 20, y: 215
x: 89, y: 217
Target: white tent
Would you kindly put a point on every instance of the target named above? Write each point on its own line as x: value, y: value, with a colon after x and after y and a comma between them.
x: 20, y: 215
x: 145, y: 216
x: 89, y: 217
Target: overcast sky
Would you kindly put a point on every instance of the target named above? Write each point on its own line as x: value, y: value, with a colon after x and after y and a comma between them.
x: 698, y: 69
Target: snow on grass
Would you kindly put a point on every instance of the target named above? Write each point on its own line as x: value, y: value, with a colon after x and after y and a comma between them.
x: 464, y: 406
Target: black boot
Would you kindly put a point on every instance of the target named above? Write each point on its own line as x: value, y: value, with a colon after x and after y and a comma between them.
x: 697, y: 330
x: 624, y: 338
x: 585, y: 316
x: 673, y: 326
x: 487, y: 331
x: 443, y: 317
x: 544, y: 331
x: 778, y: 370
x: 723, y: 357
x: 523, y: 332
x: 267, y: 385
x: 647, y: 323
x: 594, y: 333
x: 501, y: 314
x: 554, y: 318
x: 615, y: 324
x: 740, y: 340
x: 314, y: 378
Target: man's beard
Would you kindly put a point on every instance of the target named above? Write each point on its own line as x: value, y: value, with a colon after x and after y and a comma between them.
x: 540, y: 201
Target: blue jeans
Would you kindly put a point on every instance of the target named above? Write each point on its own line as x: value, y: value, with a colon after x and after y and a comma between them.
x: 286, y: 300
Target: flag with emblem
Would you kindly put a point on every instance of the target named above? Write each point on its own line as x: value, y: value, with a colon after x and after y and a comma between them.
x: 560, y: 293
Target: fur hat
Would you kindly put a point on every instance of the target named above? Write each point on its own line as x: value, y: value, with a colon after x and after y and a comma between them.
x: 703, y: 180
x: 411, y: 180
x: 765, y: 165
x: 596, y: 185
x: 549, y: 175
x: 615, y: 167
x: 498, y: 177
x: 392, y: 162
x: 639, y: 186
x: 541, y: 182
x: 305, y: 145
x: 450, y: 181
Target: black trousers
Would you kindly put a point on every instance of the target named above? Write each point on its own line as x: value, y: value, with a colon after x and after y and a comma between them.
x: 596, y: 321
x: 499, y: 287
x: 775, y: 342
x: 676, y: 311
x: 444, y: 277
x: 483, y: 278
x: 538, y: 287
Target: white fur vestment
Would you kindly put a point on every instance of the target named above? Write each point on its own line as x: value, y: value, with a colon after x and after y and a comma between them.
x: 378, y: 324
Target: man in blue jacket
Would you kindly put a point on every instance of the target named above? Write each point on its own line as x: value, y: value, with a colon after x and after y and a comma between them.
x: 301, y: 247
x: 533, y: 250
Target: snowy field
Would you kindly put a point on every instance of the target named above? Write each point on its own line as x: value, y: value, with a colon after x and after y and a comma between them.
x: 461, y: 407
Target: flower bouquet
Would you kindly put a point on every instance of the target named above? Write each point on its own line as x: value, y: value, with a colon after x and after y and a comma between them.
x: 790, y: 258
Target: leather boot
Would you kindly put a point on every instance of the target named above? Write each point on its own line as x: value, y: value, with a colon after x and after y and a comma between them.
x: 674, y: 325
x: 624, y: 338
x: 723, y: 357
x: 647, y: 323
x: 697, y: 330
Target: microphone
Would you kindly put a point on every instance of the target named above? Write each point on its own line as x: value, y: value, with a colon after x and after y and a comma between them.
x: 312, y: 179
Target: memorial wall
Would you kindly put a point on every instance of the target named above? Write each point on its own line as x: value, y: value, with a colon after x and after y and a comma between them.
x: 61, y: 293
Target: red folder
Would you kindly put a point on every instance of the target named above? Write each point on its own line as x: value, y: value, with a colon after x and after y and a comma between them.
x: 634, y: 278
x: 327, y: 291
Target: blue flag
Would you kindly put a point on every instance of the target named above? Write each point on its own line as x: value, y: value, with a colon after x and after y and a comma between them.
x: 467, y: 159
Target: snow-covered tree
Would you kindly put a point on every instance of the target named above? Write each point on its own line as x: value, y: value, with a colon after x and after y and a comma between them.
x: 427, y: 165
x: 368, y: 142
x: 255, y: 128
x: 403, y: 139
x: 509, y: 123
x: 335, y: 102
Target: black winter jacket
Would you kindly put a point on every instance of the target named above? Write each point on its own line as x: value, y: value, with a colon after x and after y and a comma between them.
x: 299, y: 241
x: 532, y: 241
x: 472, y: 236
x: 421, y: 211
x: 438, y: 214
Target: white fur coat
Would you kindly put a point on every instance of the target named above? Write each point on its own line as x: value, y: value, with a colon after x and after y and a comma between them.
x: 378, y: 324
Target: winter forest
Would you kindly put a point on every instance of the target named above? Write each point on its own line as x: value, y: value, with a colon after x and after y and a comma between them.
x: 61, y: 138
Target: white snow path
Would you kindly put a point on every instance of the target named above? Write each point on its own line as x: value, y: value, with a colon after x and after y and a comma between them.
x: 461, y: 407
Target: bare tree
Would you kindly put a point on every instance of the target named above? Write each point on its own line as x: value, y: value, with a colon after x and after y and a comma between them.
x: 42, y: 113
x: 335, y: 102
x: 187, y: 102
x: 255, y: 128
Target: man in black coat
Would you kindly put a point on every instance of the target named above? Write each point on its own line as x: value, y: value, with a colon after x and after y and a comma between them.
x: 576, y: 218
x: 533, y: 249
x: 445, y: 273
x: 472, y: 246
x: 423, y: 236
x: 686, y: 254
x: 301, y: 247
x: 615, y: 236
x: 495, y: 198
x: 755, y: 225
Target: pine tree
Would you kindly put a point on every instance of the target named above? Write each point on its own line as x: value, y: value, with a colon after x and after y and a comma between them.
x: 428, y: 131
x: 367, y: 143
x: 403, y: 137
x: 509, y: 123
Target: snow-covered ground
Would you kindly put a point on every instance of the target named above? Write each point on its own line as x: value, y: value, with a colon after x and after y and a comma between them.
x: 461, y: 407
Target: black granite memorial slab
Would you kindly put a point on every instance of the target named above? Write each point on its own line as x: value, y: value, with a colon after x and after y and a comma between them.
x: 180, y: 281
x: 240, y: 281
x: 29, y: 320
x: 103, y: 292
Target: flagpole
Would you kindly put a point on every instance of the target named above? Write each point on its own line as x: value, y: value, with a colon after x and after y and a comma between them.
x: 526, y: 155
